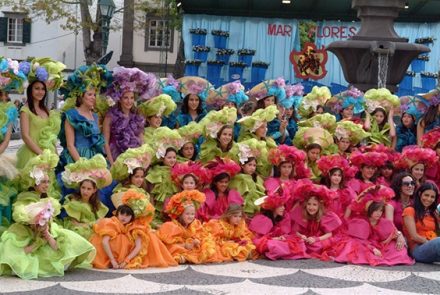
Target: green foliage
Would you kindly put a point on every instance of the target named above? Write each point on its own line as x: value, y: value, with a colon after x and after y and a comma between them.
x: 306, y: 32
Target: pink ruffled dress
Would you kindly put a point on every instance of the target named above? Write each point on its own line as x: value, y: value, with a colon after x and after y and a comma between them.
x: 358, y: 185
x: 329, y: 223
x: 267, y: 240
x: 361, y: 238
x: 274, y: 184
x: 344, y: 197
x: 398, y: 211
x: 213, y: 208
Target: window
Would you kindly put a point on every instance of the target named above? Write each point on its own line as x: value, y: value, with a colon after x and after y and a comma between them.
x: 15, y: 30
x: 159, y: 36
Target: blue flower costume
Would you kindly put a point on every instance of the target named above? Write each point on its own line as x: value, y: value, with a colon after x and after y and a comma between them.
x: 405, y: 137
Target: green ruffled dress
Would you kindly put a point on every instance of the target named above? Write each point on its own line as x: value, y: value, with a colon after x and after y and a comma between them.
x: 82, y: 212
x: 73, y: 250
x: 163, y: 187
x: 379, y: 136
x: 249, y: 190
x: 209, y: 150
x: 43, y: 131
x: 148, y: 135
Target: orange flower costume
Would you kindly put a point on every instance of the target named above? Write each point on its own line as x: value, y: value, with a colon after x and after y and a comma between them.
x: 233, y: 242
x: 153, y: 252
x: 175, y: 235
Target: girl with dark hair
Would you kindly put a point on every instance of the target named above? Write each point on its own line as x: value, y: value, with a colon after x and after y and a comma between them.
x: 421, y: 224
x: 219, y: 196
x: 192, y: 110
x: 39, y: 127
x: 406, y: 132
x: 368, y: 164
x: 430, y: 119
x: 404, y: 185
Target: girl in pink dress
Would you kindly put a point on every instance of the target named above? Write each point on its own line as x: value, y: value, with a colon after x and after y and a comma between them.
x: 289, y: 165
x: 273, y: 230
x: 312, y: 222
x: 219, y: 196
x: 371, y: 238
x: 335, y: 173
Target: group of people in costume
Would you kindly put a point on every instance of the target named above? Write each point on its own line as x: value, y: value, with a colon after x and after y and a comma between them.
x: 272, y: 172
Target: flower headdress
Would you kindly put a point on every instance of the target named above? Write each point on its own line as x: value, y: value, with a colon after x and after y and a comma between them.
x: 196, y: 169
x: 251, y: 148
x: 294, y: 96
x: 412, y: 105
x: 223, y: 165
x: 431, y: 138
x: 195, y: 85
x: 350, y: 130
x: 8, y: 115
x: 375, y: 159
x: 378, y: 193
x: 171, y: 87
x: 164, y: 138
x: 273, y: 201
x: 352, y: 97
x: 180, y: 201
x: 269, y: 88
x: 161, y: 105
x: 85, y: 77
x: 326, y: 121
x: 380, y: 98
x: 46, y: 70
x: 327, y: 163
x: 285, y: 153
x: 310, y: 103
x: 412, y: 155
x: 309, y: 135
x: 215, y: 120
x: 305, y: 188
x: 190, y: 132
x: 432, y: 98
x: 231, y: 92
x: 12, y: 76
x: 94, y: 169
x: 137, y: 201
x: 254, y: 121
x: 391, y: 154
x: 37, y: 168
x: 39, y: 213
x: 131, y: 159
x: 133, y: 80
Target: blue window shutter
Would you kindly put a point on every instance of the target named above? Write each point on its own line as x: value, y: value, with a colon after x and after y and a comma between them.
x: 3, y: 29
x: 26, y: 31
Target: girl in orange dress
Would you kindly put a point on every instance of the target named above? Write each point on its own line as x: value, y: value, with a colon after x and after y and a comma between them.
x: 184, y: 235
x: 125, y: 240
x: 232, y: 236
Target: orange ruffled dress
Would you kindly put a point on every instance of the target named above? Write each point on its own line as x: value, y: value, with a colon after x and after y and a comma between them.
x: 233, y: 242
x: 174, y: 235
x: 122, y: 240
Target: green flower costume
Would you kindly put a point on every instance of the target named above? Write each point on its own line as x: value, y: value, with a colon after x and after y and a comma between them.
x: 163, y: 187
x: 43, y: 131
x: 249, y: 189
x: 209, y: 150
x: 82, y: 213
x: 43, y: 261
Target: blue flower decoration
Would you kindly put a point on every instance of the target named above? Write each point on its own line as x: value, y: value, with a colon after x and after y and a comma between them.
x: 238, y: 98
x: 25, y: 67
x: 279, y: 92
x: 171, y: 91
x: 357, y: 103
x: 42, y: 74
x: 4, y: 65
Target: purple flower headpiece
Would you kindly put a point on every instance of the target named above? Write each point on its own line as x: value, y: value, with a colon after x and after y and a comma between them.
x: 294, y: 90
x: 354, y: 92
x: 234, y: 87
x: 279, y: 82
x: 133, y: 80
x: 172, y: 82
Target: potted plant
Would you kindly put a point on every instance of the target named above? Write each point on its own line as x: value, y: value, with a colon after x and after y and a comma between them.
x: 258, y: 72
x: 407, y: 81
x: 198, y: 36
x: 201, y: 52
x: 429, y: 80
x: 214, y: 70
x: 220, y: 38
x: 245, y: 55
x: 418, y: 64
x: 236, y: 70
x: 192, y: 67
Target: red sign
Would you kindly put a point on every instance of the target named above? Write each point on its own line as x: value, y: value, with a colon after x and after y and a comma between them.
x: 279, y: 30
x: 339, y: 32
x: 309, y: 63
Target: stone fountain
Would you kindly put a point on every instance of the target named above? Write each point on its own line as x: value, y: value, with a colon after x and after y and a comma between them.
x: 376, y: 56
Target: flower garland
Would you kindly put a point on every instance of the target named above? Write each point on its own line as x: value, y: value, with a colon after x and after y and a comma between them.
x: 260, y: 64
x: 237, y: 64
x: 200, y: 48
x: 246, y: 52
x: 429, y: 75
x: 198, y: 31
x: 220, y: 33
x: 225, y: 51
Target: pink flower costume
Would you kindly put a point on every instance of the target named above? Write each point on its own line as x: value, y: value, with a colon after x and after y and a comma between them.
x: 275, y: 239
x: 357, y: 244
x: 431, y: 140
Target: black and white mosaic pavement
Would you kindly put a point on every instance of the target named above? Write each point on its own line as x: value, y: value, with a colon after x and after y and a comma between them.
x: 253, y: 277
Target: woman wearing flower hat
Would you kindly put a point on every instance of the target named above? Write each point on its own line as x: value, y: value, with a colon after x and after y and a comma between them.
x: 370, y: 238
x: 288, y: 112
x: 289, y: 166
x: 80, y: 135
x: 154, y: 109
x: 348, y: 135
x: 248, y: 182
x: 84, y: 208
x: 348, y: 105
x: 184, y: 235
x: 123, y: 126
x: 416, y: 160
x: 314, y: 102
x: 35, y: 246
x: 219, y: 196
x: 431, y: 118
x: 219, y: 133
x: 191, y: 137
x: 406, y: 131
x: 272, y: 228
x: 126, y: 241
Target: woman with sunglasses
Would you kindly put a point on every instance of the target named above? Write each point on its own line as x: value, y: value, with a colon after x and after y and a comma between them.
x: 404, y: 185
x: 420, y: 224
